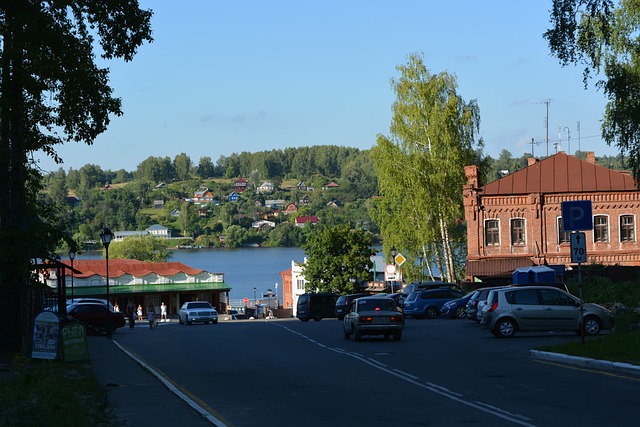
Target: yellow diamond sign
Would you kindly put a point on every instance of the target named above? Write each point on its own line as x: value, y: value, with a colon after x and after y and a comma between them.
x: 400, y: 259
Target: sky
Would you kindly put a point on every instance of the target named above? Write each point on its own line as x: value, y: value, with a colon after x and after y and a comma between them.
x: 224, y: 77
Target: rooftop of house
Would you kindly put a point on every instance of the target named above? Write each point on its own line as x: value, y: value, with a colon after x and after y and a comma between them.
x: 561, y: 173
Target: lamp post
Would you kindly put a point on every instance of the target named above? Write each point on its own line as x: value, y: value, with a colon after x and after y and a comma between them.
x: 277, y: 305
x: 105, y: 236
x: 72, y: 256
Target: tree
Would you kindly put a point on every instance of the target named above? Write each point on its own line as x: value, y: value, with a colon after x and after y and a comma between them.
x: 51, y: 92
x: 142, y: 248
x: 182, y: 166
x: 604, y: 39
x: 420, y: 166
x: 336, y: 255
x: 205, y: 169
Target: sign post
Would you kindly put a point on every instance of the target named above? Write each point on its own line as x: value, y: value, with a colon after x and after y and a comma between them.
x: 577, y: 216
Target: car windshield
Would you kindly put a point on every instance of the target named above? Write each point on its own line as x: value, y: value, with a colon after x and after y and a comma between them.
x: 377, y: 304
x: 193, y: 305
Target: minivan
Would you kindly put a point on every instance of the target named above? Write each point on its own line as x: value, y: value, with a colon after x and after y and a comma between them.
x: 316, y: 306
x: 542, y: 308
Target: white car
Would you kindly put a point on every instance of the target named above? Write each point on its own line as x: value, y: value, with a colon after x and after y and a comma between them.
x: 197, y: 311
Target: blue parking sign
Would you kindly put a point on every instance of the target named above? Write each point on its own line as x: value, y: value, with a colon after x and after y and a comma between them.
x: 576, y: 215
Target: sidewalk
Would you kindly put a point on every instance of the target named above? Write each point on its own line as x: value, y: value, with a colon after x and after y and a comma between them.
x: 138, y: 396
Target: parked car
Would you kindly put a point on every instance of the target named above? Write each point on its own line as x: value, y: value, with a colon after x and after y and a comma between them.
x: 479, y: 295
x: 428, y: 303
x: 344, y: 303
x: 457, y: 308
x: 398, y: 298
x: 542, y: 308
x: 95, y: 300
x: 423, y: 286
x: 373, y: 315
x: 197, y: 311
x: 316, y: 306
x: 94, y: 316
x: 236, y: 315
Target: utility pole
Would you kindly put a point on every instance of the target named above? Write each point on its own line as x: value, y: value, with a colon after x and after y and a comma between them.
x: 546, y: 122
x: 579, y: 149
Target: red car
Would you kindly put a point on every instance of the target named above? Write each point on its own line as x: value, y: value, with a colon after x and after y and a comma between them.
x: 94, y: 316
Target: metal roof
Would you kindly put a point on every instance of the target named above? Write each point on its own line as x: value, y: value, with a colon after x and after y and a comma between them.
x: 561, y: 173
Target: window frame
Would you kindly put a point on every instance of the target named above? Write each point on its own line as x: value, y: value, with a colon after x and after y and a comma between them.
x: 494, y: 233
x: 627, y: 231
x: 601, y: 231
x: 563, y: 236
x: 520, y: 230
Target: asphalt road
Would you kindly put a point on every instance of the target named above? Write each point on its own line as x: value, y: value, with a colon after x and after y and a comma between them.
x: 443, y: 373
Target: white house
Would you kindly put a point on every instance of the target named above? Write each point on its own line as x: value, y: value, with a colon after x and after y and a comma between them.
x: 158, y: 230
x: 298, y: 283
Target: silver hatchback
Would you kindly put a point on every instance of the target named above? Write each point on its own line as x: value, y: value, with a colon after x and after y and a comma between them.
x: 541, y: 308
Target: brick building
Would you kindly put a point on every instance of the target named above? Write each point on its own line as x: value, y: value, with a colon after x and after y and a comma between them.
x: 516, y: 221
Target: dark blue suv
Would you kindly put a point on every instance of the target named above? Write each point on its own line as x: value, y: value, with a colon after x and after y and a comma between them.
x: 428, y: 303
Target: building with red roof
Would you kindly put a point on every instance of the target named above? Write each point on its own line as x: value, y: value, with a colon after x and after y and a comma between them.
x: 516, y: 221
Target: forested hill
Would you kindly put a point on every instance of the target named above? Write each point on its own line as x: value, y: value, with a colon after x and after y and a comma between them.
x: 161, y: 191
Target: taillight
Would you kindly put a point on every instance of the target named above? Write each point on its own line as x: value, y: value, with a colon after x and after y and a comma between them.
x: 366, y: 319
x: 397, y: 319
x: 493, y: 306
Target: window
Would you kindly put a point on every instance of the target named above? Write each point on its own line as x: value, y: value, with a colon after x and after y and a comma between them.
x: 600, y: 228
x: 563, y: 236
x: 517, y: 231
x: 627, y: 232
x: 491, y: 232
x: 523, y: 297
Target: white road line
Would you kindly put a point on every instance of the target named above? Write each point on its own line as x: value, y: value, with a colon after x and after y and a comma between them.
x: 442, y: 391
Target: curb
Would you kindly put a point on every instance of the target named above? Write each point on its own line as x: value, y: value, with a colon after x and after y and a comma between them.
x: 585, y: 362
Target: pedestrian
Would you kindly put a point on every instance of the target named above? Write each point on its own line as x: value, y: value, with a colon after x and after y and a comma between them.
x: 139, y: 313
x: 163, y: 312
x: 151, y: 316
x: 116, y: 308
x: 131, y: 309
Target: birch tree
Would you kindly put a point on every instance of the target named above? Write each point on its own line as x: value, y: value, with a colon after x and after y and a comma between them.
x: 420, y: 167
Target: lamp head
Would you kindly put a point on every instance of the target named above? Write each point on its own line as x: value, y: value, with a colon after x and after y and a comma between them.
x: 106, y: 236
x: 393, y: 251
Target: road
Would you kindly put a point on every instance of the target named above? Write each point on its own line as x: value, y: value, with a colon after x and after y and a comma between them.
x: 443, y: 373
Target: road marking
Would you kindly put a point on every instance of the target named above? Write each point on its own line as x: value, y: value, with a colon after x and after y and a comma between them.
x: 195, y: 403
x: 593, y: 371
x: 442, y: 391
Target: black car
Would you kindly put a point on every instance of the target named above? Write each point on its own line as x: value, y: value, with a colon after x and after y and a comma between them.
x: 344, y: 302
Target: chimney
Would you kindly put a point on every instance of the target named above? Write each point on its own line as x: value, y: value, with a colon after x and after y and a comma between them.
x: 472, y: 173
x: 591, y: 157
x: 531, y: 161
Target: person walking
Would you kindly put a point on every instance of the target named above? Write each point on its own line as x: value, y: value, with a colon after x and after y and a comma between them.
x: 139, y: 313
x: 131, y: 309
x: 163, y: 312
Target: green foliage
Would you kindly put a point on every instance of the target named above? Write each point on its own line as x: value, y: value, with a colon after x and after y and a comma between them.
x: 420, y: 166
x: 142, y: 248
x: 603, y: 37
x: 602, y: 290
x: 336, y: 255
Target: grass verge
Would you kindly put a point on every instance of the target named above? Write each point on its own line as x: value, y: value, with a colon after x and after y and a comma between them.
x: 621, y: 345
x: 52, y: 393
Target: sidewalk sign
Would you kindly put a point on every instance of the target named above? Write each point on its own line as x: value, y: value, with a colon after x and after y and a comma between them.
x: 74, y: 342
x: 45, y: 336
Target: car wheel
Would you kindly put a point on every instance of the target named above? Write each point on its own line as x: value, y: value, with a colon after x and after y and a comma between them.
x: 592, y: 325
x: 317, y: 317
x: 505, y: 328
x: 431, y: 313
x: 460, y: 313
x: 397, y: 335
x: 304, y: 319
x: 214, y: 322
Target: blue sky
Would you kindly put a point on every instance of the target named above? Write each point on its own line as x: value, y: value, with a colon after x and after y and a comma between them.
x: 225, y: 77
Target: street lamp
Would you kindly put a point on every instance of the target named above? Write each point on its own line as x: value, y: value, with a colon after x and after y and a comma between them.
x: 72, y: 256
x: 353, y: 283
x: 277, y: 305
x: 106, y: 236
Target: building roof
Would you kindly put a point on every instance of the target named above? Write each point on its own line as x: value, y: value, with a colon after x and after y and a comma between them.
x: 498, y: 266
x: 121, y: 267
x: 561, y: 173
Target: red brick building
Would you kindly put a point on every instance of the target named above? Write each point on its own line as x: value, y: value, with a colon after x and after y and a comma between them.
x: 516, y: 221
